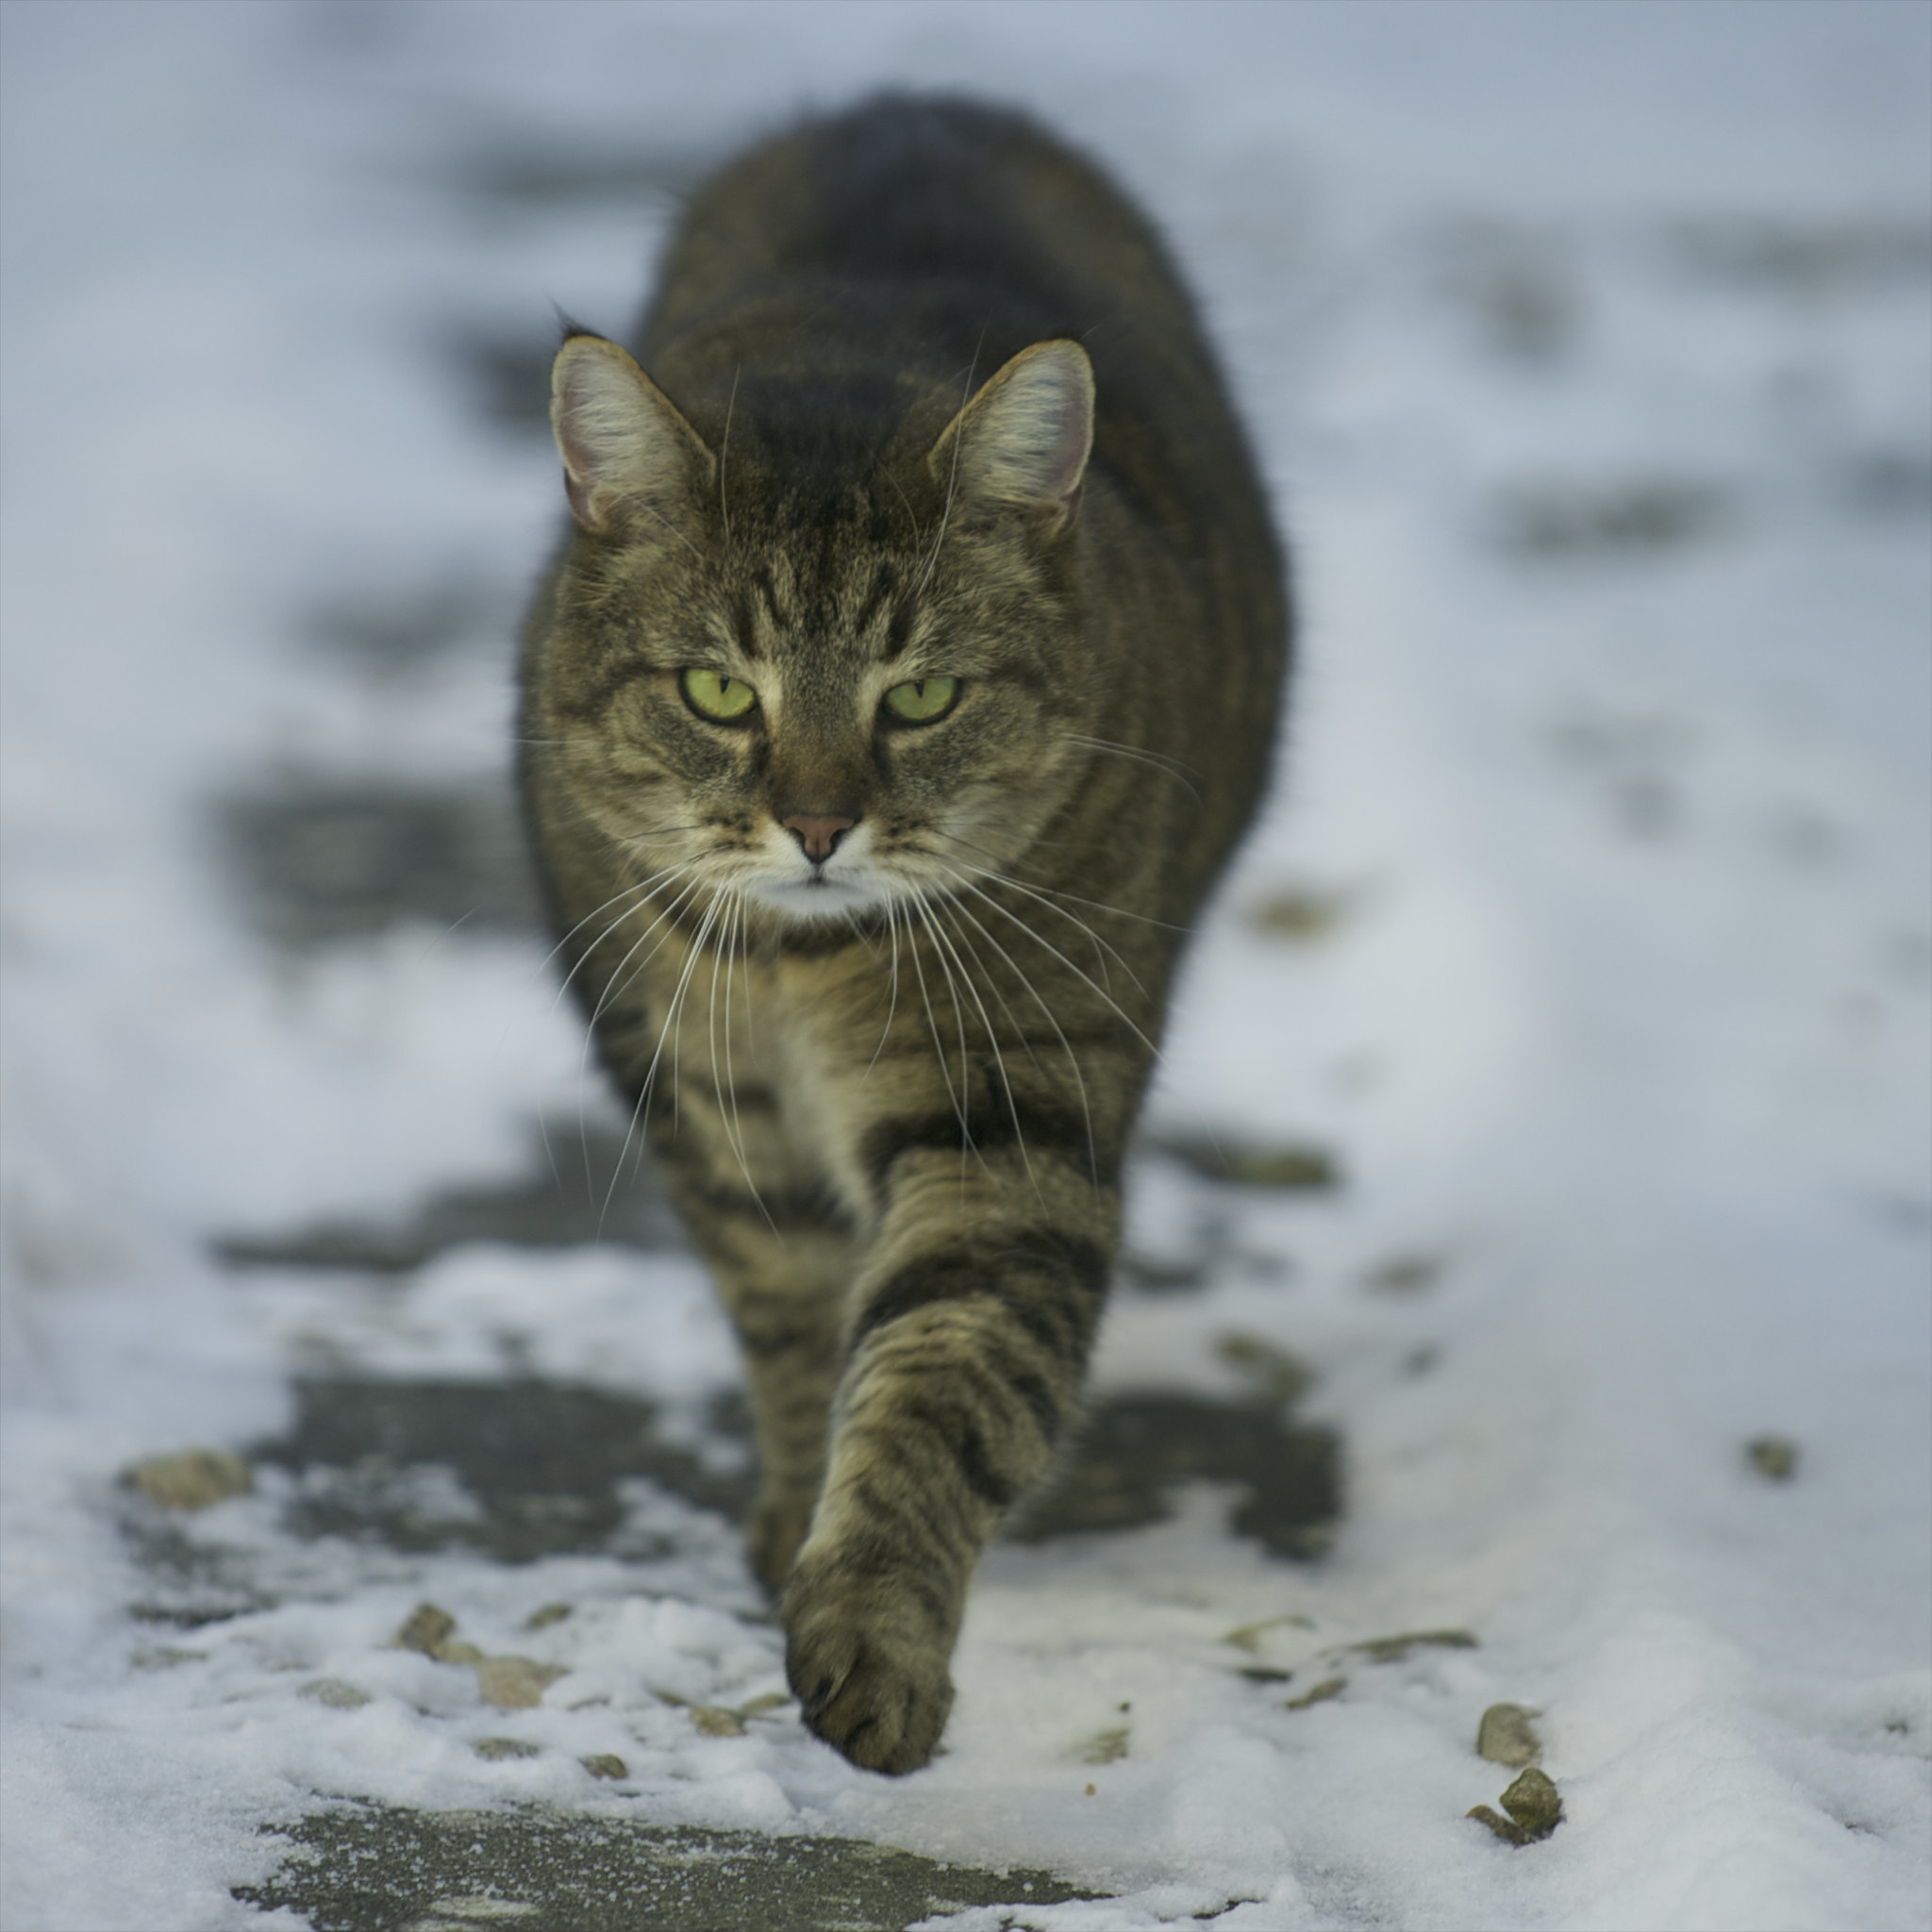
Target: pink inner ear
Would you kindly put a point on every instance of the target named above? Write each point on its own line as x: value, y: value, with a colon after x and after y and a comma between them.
x: 621, y: 439
x: 1062, y: 406
x: 579, y: 461
x: 1067, y: 456
x: 576, y: 486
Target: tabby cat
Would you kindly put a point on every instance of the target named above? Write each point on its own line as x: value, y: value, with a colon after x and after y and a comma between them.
x: 908, y: 671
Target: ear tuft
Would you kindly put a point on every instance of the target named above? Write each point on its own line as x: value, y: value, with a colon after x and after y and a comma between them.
x: 622, y: 441
x: 1024, y: 441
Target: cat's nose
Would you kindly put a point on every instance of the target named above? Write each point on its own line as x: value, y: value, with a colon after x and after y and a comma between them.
x: 818, y: 834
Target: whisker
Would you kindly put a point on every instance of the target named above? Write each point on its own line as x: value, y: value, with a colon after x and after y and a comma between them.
x: 725, y: 456
x: 966, y: 1145
x: 1171, y: 768
x: 659, y: 516
x: 933, y: 1026
x: 952, y: 474
x: 992, y: 1039
x: 726, y: 952
x: 951, y: 909
x: 614, y: 986
x: 614, y: 991
x: 892, y: 999
x: 1100, y: 945
x: 966, y: 913
x: 659, y: 879
x: 670, y: 1030
x: 1055, y: 891
x: 1091, y: 984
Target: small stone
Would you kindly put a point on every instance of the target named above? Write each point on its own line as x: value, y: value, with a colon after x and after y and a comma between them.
x: 1505, y: 1736
x: 456, y: 1652
x: 495, y: 1748
x: 426, y: 1628
x: 550, y: 1613
x: 335, y: 1692
x: 192, y: 1478
x: 606, y: 1764
x: 1535, y: 1809
x: 714, y: 1721
x: 1535, y: 1803
x: 1392, y: 1650
x: 1327, y: 1688
x: 514, y: 1683
x: 767, y: 1700
x: 1092, y: 1790
x: 1774, y: 1458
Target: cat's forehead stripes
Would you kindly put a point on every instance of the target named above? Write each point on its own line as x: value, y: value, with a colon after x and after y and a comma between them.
x: 857, y: 610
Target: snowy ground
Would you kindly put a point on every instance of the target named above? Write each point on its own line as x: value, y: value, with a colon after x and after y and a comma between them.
x: 1591, y: 351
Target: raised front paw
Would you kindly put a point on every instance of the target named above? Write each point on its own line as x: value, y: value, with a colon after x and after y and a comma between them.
x: 867, y: 1657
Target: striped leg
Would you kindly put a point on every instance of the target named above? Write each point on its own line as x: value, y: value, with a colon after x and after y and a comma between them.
x: 975, y: 1315
x: 782, y: 1261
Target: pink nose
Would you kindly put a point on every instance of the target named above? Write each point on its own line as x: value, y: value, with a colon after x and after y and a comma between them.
x: 817, y: 834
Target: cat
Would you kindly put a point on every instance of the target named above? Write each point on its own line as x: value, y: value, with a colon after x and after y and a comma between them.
x: 909, y: 668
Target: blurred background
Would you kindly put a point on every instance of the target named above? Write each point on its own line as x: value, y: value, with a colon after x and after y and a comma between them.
x: 1584, y: 348
x: 1564, y: 1031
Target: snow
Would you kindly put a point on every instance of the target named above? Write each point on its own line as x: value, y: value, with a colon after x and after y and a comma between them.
x: 1626, y: 1020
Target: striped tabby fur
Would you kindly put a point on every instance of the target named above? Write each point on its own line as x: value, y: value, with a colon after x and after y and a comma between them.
x: 888, y: 1053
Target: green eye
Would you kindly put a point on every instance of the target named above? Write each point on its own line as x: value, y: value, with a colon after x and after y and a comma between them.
x: 922, y: 700
x: 712, y: 695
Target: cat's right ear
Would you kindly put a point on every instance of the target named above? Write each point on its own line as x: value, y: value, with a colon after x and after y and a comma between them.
x: 1023, y: 441
x: 623, y: 442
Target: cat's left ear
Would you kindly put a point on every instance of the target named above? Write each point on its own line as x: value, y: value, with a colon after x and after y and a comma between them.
x: 1024, y: 441
x: 623, y: 442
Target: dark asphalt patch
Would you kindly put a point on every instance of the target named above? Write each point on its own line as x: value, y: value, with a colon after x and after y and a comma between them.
x: 374, y: 1868
x: 540, y: 1463
x: 1138, y: 1450
x: 583, y: 1185
x: 328, y: 858
x: 527, y: 1469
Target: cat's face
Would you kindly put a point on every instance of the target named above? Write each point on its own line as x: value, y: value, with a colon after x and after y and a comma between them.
x: 817, y: 708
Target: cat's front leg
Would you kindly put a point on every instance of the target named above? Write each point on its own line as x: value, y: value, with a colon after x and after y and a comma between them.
x: 780, y: 1254
x: 973, y: 1319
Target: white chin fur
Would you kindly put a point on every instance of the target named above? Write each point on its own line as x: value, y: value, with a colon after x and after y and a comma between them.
x: 811, y: 900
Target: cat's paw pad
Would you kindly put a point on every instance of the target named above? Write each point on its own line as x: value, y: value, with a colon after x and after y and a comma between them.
x: 868, y: 1673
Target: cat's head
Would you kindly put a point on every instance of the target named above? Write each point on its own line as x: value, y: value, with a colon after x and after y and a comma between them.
x: 811, y: 668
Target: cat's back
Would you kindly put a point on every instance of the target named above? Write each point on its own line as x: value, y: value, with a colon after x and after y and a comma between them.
x: 937, y: 236
x: 936, y: 201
